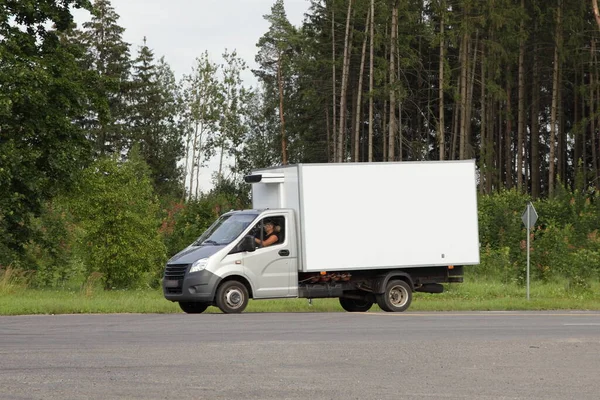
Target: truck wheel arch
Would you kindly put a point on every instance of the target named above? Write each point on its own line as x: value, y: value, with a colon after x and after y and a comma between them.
x: 382, y: 281
x: 238, y: 278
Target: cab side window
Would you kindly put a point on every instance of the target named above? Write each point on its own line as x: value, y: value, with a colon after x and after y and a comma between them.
x: 270, y: 231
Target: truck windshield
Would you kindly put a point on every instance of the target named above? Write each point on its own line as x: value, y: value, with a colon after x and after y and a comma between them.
x: 226, y: 229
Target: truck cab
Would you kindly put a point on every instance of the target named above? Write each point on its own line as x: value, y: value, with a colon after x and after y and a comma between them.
x: 228, y: 251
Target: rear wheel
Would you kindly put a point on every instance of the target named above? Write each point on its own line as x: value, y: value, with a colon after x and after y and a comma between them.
x: 355, y: 305
x: 396, y: 298
x: 193, y: 308
x: 232, y: 297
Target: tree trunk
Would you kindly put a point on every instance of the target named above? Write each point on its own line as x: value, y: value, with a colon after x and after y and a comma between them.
x: 577, y: 121
x: 441, y: 138
x: 344, y: 89
x: 371, y: 81
x: 521, y: 105
x: 400, y: 138
x: 333, y: 80
x: 561, y: 134
x: 469, y: 103
x: 535, y: 127
x: 592, y: 116
x: 508, y: 167
x: 328, y: 127
x: 186, y: 168
x: 484, y: 165
x: 596, y: 12
x: 393, y: 45
x: 455, y: 123
x: 194, y: 144
x: 464, y: 61
x: 360, y: 88
x: 499, y: 151
x: 554, y: 109
x: 281, y: 115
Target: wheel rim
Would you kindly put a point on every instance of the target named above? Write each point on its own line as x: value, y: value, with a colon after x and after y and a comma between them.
x: 398, y: 296
x: 234, y: 298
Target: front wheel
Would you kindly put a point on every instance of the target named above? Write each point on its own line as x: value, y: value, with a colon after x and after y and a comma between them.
x: 396, y: 298
x: 192, y: 307
x: 232, y: 297
x: 355, y: 305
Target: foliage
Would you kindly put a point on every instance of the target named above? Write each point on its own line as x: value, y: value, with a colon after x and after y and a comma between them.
x: 153, y: 120
x: 202, y: 101
x: 564, y: 243
x: 116, y: 207
x: 52, y: 254
x: 43, y: 92
x: 107, y: 56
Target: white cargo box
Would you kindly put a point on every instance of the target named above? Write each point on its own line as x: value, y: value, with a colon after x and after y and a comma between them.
x: 355, y: 216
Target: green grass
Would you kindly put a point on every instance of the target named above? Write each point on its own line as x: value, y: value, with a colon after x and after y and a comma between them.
x: 16, y: 299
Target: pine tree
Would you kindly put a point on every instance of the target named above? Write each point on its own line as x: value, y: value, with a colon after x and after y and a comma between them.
x: 109, y: 56
x: 154, y: 122
x: 275, y: 60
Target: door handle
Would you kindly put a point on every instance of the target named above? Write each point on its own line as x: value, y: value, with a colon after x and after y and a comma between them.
x: 284, y: 252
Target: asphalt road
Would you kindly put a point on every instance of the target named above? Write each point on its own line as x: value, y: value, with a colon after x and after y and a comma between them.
x: 488, y: 355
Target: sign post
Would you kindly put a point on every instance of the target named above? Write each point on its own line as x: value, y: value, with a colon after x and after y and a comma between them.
x: 529, y: 218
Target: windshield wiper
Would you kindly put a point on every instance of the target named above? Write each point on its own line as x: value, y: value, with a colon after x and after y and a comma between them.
x: 210, y: 242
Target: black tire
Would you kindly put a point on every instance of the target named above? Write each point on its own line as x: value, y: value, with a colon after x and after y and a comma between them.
x: 396, y: 298
x: 355, y: 305
x: 232, y: 297
x: 193, y: 308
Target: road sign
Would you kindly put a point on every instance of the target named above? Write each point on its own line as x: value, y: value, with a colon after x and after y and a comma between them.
x: 530, y: 216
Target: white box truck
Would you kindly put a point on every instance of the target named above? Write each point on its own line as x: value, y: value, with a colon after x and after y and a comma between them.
x: 362, y: 232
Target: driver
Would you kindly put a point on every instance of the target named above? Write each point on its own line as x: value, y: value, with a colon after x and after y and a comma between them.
x: 270, y: 237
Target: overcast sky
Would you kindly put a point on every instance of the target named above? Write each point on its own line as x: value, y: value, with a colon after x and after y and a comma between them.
x: 181, y: 30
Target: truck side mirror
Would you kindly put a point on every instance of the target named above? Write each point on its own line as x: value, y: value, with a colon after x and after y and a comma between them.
x: 248, y: 244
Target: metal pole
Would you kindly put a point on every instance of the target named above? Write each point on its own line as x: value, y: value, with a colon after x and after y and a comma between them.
x: 528, y: 219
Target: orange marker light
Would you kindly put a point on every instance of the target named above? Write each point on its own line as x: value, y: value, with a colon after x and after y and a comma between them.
x: 323, y: 272
x: 450, y: 266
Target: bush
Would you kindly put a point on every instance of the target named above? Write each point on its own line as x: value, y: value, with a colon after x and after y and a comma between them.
x: 567, y: 226
x: 496, y: 265
x: 582, y: 269
x: 51, y: 255
x: 118, y: 211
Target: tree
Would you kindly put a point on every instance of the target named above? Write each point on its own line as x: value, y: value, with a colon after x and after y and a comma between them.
x: 43, y: 93
x: 108, y: 55
x: 260, y: 148
x: 554, y: 122
x: 116, y: 206
x: 153, y: 118
x: 274, y: 59
x: 202, y: 99
x: 235, y: 98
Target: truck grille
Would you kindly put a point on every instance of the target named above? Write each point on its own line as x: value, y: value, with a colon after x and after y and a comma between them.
x: 175, y: 272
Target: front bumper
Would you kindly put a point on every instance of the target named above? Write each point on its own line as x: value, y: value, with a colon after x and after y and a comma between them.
x: 198, y: 286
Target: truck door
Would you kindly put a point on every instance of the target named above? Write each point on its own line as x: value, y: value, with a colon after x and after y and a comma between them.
x: 274, y: 269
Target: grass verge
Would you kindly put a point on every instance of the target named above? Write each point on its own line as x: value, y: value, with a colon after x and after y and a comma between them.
x: 470, y: 296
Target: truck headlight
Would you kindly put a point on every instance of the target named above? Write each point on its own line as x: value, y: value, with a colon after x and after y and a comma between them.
x: 199, y: 265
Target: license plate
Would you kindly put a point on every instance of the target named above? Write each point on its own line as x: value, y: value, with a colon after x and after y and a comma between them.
x: 171, y: 283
